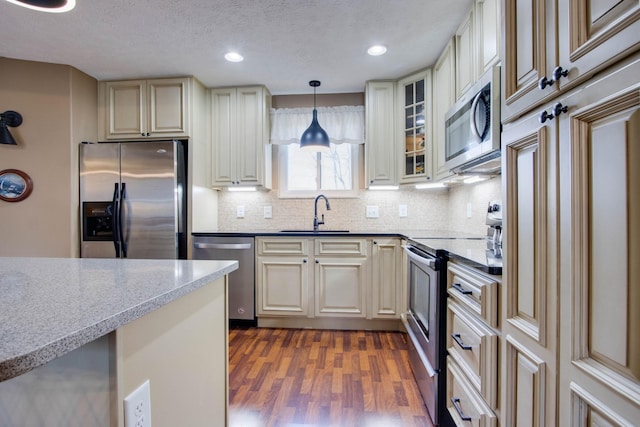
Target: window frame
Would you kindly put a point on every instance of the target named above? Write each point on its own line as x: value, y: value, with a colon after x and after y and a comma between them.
x: 285, y: 193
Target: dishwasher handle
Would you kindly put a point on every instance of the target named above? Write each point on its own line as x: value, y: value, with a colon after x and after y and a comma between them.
x: 232, y: 246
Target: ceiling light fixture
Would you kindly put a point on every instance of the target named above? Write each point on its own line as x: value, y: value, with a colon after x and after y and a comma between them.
x: 9, y: 118
x: 233, y: 57
x: 377, y: 50
x: 315, y: 138
x: 51, y: 6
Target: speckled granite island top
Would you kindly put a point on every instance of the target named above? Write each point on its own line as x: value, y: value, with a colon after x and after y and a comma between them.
x: 51, y: 306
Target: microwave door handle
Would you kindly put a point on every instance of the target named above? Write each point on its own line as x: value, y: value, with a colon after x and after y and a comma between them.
x: 472, y: 119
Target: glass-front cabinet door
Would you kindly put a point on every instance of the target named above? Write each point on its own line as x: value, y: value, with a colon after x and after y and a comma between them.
x: 415, y: 119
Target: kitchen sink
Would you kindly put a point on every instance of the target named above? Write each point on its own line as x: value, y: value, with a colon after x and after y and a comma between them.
x: 314, y: 231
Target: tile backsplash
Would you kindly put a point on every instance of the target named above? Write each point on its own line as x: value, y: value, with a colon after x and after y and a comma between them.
x: 442, y: 209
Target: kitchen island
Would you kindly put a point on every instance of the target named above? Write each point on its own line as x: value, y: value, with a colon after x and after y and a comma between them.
x: 78, y: 335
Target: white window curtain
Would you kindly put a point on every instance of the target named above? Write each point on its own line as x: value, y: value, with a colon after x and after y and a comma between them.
x: 344, y: 124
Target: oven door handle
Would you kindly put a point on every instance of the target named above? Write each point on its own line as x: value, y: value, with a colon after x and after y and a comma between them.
x: 429, y: 262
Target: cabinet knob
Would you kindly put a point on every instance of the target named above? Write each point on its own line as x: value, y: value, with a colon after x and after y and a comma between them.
x: 317, y: 261
x: 556, y: 75
x: 375, y: 242
x: 544, y: 116
x: 544, y: 82
x: 559, y: 109
x: 559, y: 73
x: 304, y: 261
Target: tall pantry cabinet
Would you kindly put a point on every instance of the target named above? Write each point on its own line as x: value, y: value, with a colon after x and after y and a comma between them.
x: 570, y: 347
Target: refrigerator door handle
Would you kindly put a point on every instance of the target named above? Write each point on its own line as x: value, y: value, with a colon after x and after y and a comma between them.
x: 115, y: 220
x: 123, y: 242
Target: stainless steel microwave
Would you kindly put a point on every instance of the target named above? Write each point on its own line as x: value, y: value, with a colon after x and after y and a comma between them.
x: 472, y: 128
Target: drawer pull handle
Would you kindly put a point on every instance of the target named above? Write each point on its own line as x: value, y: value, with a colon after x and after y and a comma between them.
x: 457, y: 339
x: 460, y: 289
x: 456, y: 404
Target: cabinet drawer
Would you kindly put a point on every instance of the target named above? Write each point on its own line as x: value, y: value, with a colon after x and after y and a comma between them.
x: 354, y: 247
x: 282, y: 247
x: 463, y: 403
x: 478, y: 293
x: 474, y: 346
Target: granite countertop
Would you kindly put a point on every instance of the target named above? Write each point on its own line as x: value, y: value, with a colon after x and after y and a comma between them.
x: 51, y: 306
x: 471, y: 249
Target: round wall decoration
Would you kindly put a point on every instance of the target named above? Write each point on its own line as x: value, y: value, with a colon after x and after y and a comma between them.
x: 15, y: 185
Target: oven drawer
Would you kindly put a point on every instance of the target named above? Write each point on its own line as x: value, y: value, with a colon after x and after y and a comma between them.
x: 474, y: 346
x: 478, y: 293
x: 463, y: 403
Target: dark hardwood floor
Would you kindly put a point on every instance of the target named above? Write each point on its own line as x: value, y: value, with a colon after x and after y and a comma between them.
x: 304, y: 378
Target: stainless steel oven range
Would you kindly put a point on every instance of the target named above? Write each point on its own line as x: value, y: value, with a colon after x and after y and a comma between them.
x: 425, y: 324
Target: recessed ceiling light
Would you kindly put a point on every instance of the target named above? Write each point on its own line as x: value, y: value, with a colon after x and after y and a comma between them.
x: 52, y: 6
x: 233, y: 57
x: 377, y: 50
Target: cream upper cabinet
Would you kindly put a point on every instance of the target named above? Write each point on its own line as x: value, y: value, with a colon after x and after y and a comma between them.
x: 386, y: 270
x: 136, y: 109
x: 585, y: 36
x: 380, y: 148
x: 466, y: 53
x: 240, y: 137
x: 488, y: 22
x: 415, y: 141
x: 444, y: 96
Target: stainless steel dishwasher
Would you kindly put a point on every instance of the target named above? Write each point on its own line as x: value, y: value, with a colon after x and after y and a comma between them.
x: 242, y: 281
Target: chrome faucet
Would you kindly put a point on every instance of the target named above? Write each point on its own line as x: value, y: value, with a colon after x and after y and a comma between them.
x: 317, y: 222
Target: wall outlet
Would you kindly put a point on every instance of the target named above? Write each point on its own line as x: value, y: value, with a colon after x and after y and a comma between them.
x: 402, y: 211
x: 239, y: 211
x: 372, y: 212
x: 268, y: 212
x: 137, y: 407
x: 469, y: 210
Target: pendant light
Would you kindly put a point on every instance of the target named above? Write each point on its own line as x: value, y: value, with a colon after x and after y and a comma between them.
x: 314, y: 138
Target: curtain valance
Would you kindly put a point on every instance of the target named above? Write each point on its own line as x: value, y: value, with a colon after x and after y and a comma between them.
x: 343, y: 124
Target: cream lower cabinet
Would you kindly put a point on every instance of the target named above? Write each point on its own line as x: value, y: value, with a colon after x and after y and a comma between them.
x: 386, y: 278
x: 599, y: 347
x: 141, y: 109
x: 472, y: 345
x: 570, y: 347
x: 341, y: 277
x: 283, y: 277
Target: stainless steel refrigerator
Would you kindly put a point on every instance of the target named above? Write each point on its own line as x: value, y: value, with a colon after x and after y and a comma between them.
x: 133, y: 200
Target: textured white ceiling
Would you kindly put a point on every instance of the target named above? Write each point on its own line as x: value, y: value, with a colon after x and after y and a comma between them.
x: 285, y: 43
